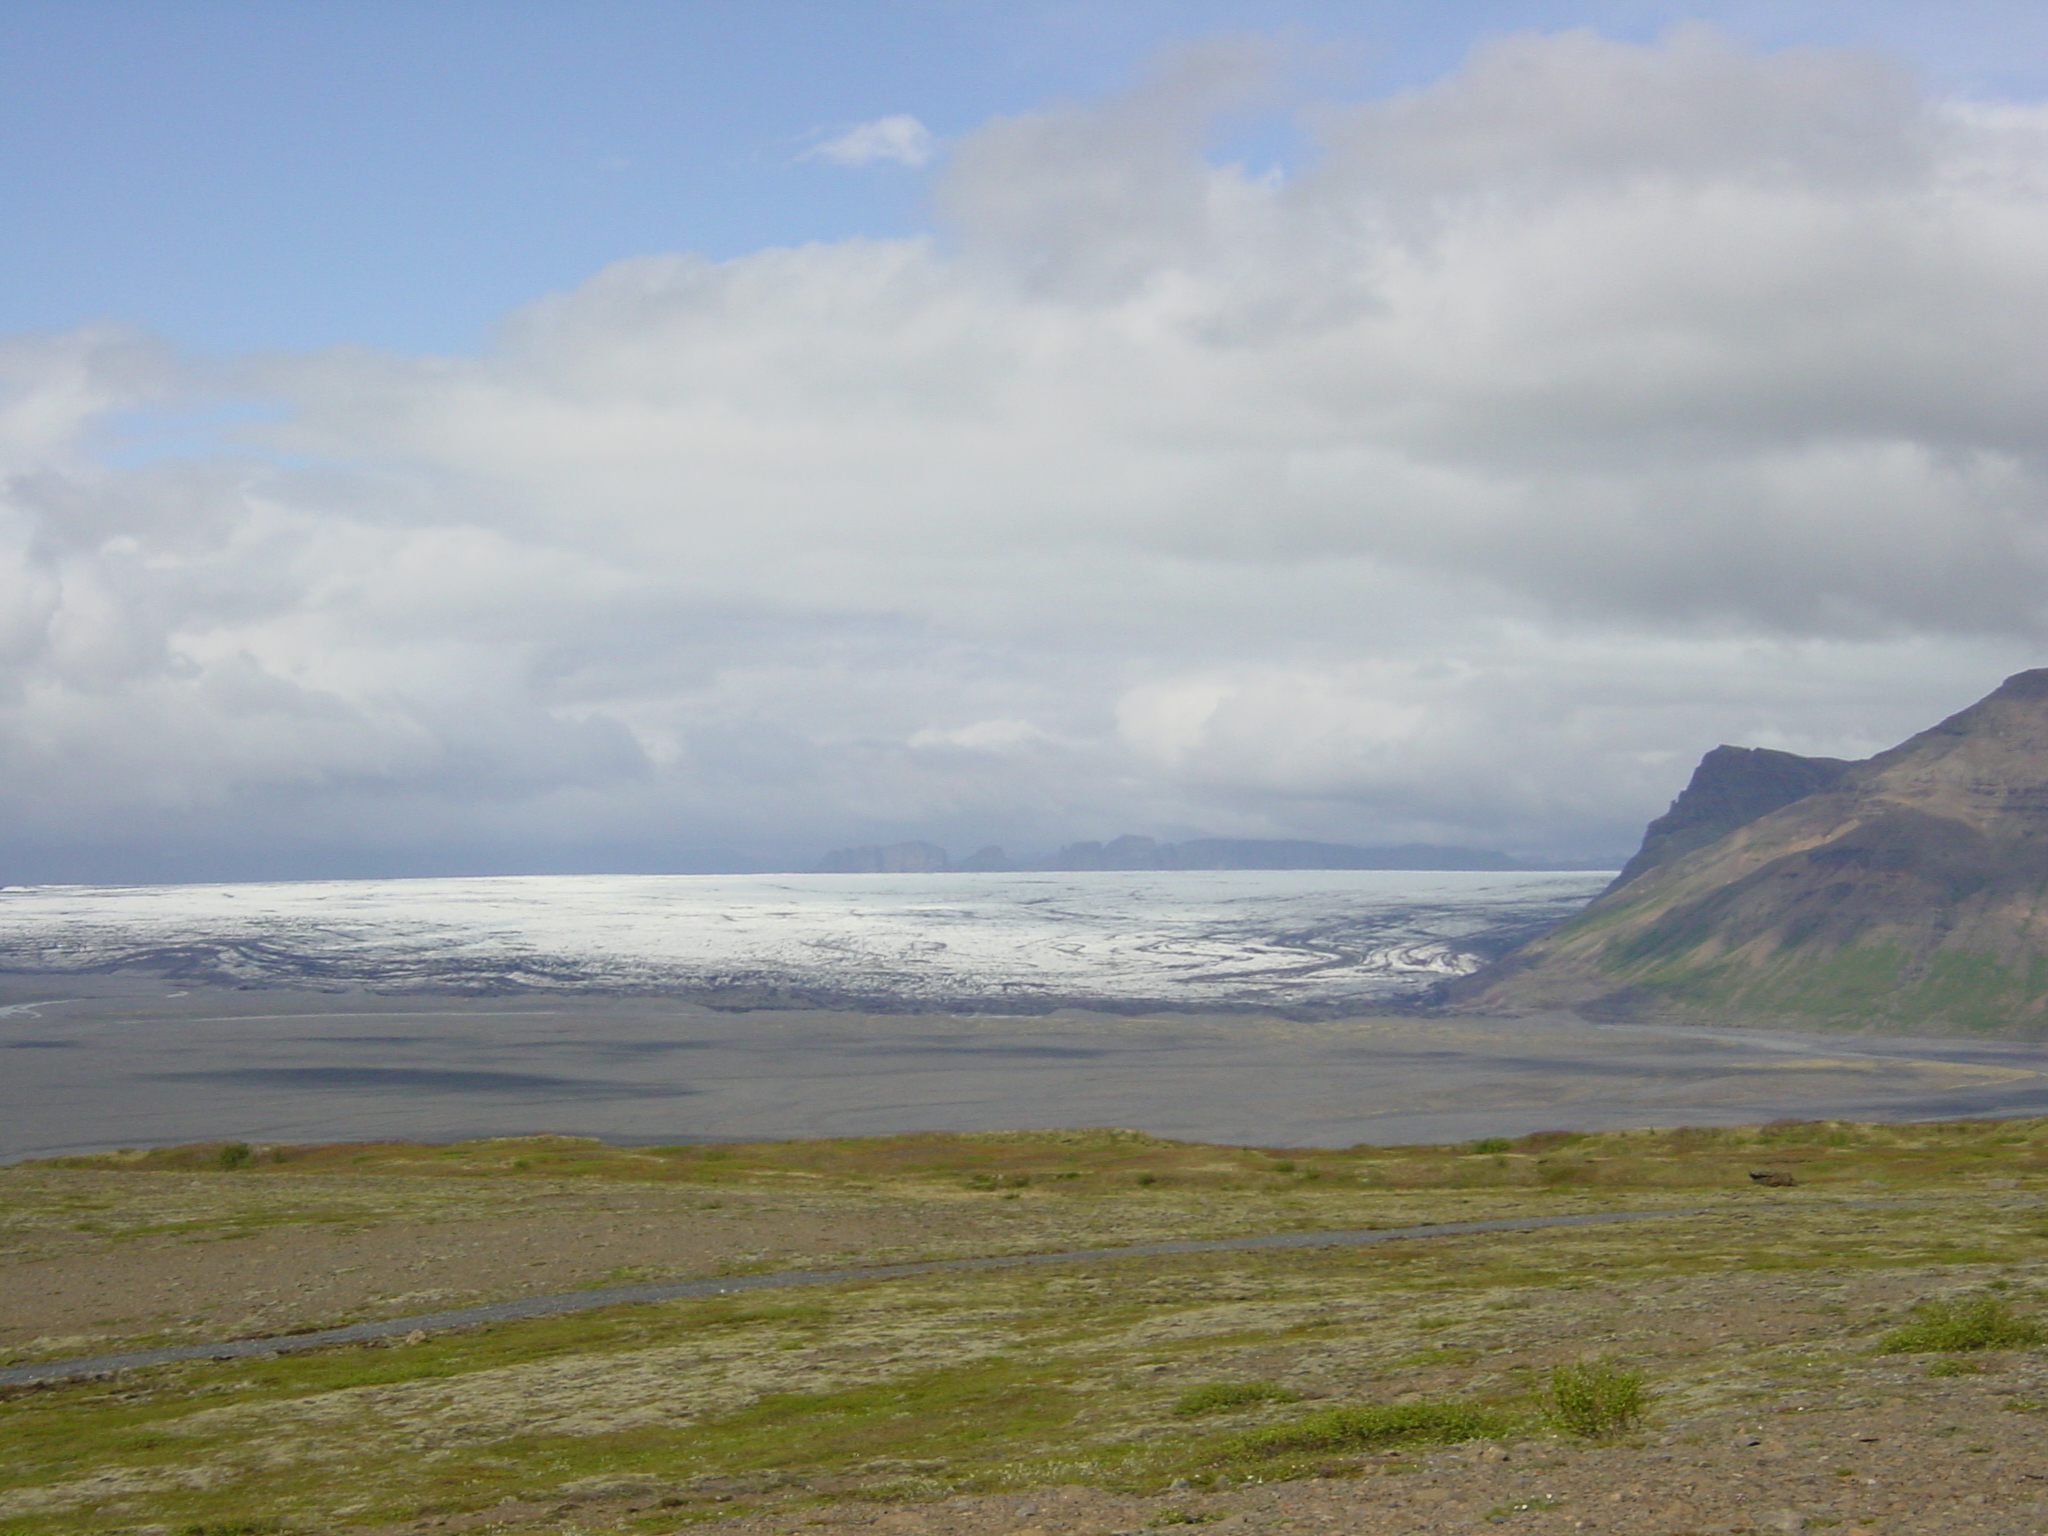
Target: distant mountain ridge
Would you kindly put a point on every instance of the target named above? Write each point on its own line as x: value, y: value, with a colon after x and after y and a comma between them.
x: 1909, y: 890
x: 1135, y: 853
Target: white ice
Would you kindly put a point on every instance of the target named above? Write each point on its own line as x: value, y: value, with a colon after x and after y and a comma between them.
x: 1201, y: 938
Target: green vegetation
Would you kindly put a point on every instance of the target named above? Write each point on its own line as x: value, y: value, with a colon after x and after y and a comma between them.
x: 1222, y: 1396
x: 1960, y: 1324
x: 1089, y: 1165
x: 1597, y: 1399
x: 1851, y: 986
x: 1115, y: 1374
x: 1375, y: 1428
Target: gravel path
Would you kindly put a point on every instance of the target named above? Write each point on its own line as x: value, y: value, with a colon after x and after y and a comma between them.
x: 677, y: 1290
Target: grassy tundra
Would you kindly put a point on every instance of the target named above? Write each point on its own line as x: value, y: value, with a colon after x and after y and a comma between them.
x: 1174, y: 1383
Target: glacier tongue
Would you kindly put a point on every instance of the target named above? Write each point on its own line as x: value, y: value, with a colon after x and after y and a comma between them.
x: 1302, y: 938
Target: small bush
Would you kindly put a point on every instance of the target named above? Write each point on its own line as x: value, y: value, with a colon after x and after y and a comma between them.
x: 1364, y: 1429
x: 1219, y: 1396
x: 1596, y: 1398
x: 1954, y: 1367
x: 1492, y: 1144
x: 998, y: 1180
x: 236, y: 1154
x: 1947, y: 1326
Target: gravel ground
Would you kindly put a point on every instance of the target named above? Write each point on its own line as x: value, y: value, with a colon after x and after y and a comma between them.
x: 274, y: 1281
x: 1929, y: 1459
x: 1755, y: 1323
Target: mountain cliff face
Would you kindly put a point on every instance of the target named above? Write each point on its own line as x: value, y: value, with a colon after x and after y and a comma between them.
x: 1732, y: 787
x: 1907, y: 891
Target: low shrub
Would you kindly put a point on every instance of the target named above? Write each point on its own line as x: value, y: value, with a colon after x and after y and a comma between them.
x: 1954, y: 1367
x: 236, y: 1154
x: 1948, y: 1325
x: 1220, y: 1396
x: 1596, y: 1398
x: 1368, y: 1428
x: 1489, y: 1144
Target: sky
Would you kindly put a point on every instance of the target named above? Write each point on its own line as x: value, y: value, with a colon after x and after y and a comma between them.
x: 521, y: 437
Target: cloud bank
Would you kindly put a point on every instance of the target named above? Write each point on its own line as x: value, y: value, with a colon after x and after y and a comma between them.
x: 1594, y: 405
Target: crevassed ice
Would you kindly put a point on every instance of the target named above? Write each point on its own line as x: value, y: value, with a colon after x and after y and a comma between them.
x: 1200, y: 937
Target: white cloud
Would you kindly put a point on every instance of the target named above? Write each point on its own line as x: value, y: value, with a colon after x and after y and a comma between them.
x: 1595, y: 405
x: 898, y: 139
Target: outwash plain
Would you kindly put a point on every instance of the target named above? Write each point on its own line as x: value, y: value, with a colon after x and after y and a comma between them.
x: 1792, y: 1375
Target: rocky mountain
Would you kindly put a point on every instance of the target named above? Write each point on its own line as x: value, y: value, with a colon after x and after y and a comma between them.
x: 1906, y: 891
x: 890, y: 859
x: 1732, y: 787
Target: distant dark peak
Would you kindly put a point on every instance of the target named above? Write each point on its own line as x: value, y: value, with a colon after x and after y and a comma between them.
x: 1732, y: 787
x: 1126, y: 852
x: 889, y: 859
x: 987, y: 860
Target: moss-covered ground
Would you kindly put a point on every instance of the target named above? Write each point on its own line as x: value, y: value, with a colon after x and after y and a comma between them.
x: 653, y: 1417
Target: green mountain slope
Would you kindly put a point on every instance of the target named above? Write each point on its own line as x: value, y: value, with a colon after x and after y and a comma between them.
x: 1911, y: 892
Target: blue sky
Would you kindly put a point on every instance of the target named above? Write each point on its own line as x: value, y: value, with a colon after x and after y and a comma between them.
x: 455, y: 437
x: 241, y: 175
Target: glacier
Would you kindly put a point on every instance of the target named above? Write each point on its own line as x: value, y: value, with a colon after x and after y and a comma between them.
x: 1315, y: 940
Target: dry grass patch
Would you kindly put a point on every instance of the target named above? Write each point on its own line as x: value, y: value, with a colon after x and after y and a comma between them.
x: 1823, y: 1152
